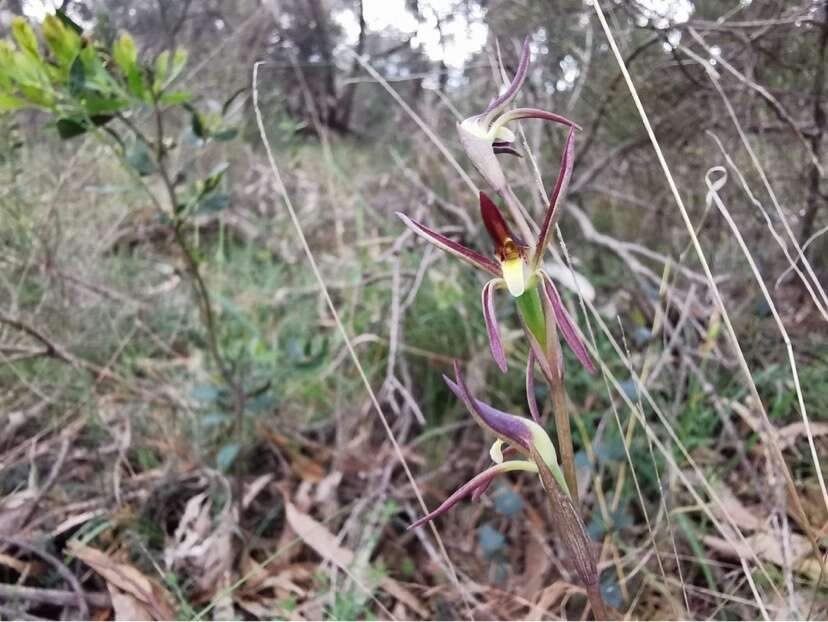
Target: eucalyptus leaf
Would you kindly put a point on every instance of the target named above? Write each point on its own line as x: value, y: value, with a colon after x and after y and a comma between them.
x: 25, y: 36
x: 77, y: 77
x: 68, y: 21
x: 140, y: 158
x: 213, y: 203
x: 124, y: 53
x: 175, y: 98
x: 69, y: 128
x: 226, y: 134
x: 227, y: 456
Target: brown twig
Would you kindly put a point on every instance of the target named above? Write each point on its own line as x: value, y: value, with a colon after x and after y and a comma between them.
x: 77, y: 595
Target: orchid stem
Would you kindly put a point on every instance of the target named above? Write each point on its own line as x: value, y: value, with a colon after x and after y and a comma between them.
x: 564, y: 432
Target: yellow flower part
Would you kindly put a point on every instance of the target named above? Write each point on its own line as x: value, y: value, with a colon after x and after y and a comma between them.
x: 514, y: 274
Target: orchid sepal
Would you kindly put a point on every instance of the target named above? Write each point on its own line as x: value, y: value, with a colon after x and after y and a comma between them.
x: 450, y: 246
x: 481, y: 480
x: 556, y: 196
x: 495, y: 343
x: 566, y: 325
x: 499, y: 103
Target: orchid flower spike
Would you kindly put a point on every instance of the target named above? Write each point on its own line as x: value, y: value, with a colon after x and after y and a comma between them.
x: 523, y: 435
x: 485, y: 135
x: 517, y: 266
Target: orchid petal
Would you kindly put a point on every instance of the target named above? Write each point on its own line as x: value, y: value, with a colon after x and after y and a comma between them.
x: 506, y: 149
x: 514, y: 275
x: 566, y: 325
x: 512, y: 429
x: 552, y: 212
x: 450, y: 246
x: 481, y: 480
x: 503, y: 100
x: 530, y: 387
x: 495, y: 344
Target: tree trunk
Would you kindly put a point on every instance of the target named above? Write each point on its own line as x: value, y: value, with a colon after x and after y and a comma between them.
x: 815, y: 199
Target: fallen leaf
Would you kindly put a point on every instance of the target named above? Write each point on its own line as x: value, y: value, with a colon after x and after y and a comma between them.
x: 325, y: 544
x: 403, y: 595
x: 317, y: 537
x: 744, y: 517
x: 767, y: 546
x: 134, y: 595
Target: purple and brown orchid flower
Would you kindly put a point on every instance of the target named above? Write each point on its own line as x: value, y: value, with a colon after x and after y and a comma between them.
x: 522, y: 436
x: 517, y: 266
x: 485, y: 135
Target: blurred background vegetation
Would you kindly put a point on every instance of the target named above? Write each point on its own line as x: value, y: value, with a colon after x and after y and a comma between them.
x: 158, y: 460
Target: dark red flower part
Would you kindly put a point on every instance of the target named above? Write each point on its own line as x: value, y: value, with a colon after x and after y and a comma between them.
x: 505, y: 147
x: 507, y: 244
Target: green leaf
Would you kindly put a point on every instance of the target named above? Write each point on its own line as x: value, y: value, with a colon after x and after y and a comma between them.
x: 63, y: 42
x: 103, y: 105
x: 227, y: 456
x: 136, y: 83
x: 197, y: 124
x: 125, y: 54
x: 69, y: 128
x: 162, y: 66
x: 213, y: 203
x: 226, y: 134
x: 68, y: 22
x: 205, y: 392
x: 77, y: 77
x: 179, y: 60
x: 25, y: 36
x: 9, y: 103
x: 140, y: 158
x: 215, y: 418
x: 175, y: 98
x: 214, y: 177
